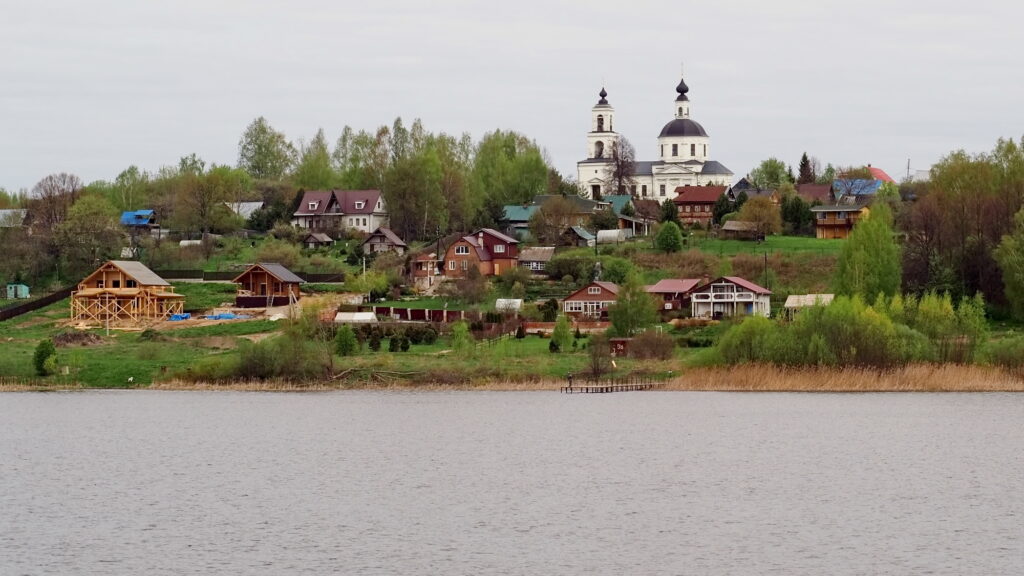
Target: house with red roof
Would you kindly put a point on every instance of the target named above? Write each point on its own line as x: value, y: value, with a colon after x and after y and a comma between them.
x: 592, y: 301
x: 696, y: 204
x: 335, y: 211
x: 488, y: 250
x: 673, y: 293
x: 812, y: 193
x: 729, y: 296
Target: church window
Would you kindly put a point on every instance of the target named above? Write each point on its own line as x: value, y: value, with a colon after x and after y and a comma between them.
x: 662, y: 150
x: 693, y: 149
x: 675, y: 149
x: 599, y: 149
x: 600, y: 123
x: 705, y: 150
x: 680, y: 111
x: 643, y: 190
x: 662, y: 190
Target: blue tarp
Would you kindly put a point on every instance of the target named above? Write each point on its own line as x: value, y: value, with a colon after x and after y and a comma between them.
x: 228, y: 316
x: 137, y: 218
x: 180, y: 317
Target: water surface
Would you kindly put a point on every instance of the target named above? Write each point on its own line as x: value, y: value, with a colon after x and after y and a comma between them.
x: 146, y: 482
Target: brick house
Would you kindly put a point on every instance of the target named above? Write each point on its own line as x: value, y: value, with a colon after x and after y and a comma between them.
x: 488, y: 250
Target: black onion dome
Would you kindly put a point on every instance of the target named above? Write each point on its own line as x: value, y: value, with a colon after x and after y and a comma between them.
x: 682, y: 89
x: 682, y: 127
x: 603, y: 96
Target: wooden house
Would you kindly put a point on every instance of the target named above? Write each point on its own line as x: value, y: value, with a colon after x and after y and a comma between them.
x: 266, y: 284
x: 384, y: 240
x: 124, y: 291
x: 315, y: 240
x: 578, y: 236
x: 426, y: 268
x: 738, y: 230
x: 729, y: 296
x: 592, y: 301
x: 536, y: 259
x: 836, y: 220
x: 673, y: 293
x: 696, y: 204
x: 488, y: 250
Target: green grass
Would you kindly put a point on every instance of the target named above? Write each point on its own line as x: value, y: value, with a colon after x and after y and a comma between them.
x: 772, y: 245
x: 205, y: 295
x: 231, y: 328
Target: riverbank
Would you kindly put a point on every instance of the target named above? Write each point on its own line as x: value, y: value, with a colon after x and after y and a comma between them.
x: 752, y: 378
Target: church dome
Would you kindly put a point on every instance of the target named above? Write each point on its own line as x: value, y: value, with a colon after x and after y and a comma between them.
x: 682, y: 127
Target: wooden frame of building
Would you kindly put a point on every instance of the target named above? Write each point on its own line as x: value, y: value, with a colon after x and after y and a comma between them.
x: 124, y: 291
x: 267, y: 284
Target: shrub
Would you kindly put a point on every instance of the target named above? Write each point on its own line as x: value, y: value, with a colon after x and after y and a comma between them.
x: 549, y: 310
x: 553, y: 347
x: 520, y: 332
x: 562, y: 334
x: 652, y: 345
x: 1007, y: 353
x: 45, y: 350
x: 394, y: 344
x: 421, y: 334
x: 461, y: 341
x: 578, y: 266
x: 279, y: 251
x: 375, y: 341
x: 600, y: 355
x: 403, y: 344
x: 345, y: 342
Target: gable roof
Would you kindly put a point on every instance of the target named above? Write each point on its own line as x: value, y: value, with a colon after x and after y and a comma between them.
x: 481, y: 251
x: 581, y: 232
x: 742, y: 283
x: 618, y: 202
x: 319, y: 237
x: 387, y: 233
x: 139, y: 272
x: 814, y: 192
x: 686, y: 194
x: 137, y: 217
x: 609, y: 286
x: 276, y: 270
x: 518, y: 212
x: 537, y: 254
x: 673, y: 286
x: 879, y: 174
x: 739, y: 226
x: 346, y: 201
x: 498, y: 235
x: 321, y: 198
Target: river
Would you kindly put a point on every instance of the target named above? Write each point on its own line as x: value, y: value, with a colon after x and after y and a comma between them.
x: 369, y: 482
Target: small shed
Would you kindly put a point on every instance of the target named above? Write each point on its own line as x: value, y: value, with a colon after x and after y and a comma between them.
x: 577, y: 236
x: 267, y: 284
x: 317, y: 240
x: 508, y: 305
x: 795, y: 302
x: 536, y: 259
x: 384, y: 240
x: 17, y: 291
x: 611, y: 236
x: 355, y: 318
x: 738, y: 230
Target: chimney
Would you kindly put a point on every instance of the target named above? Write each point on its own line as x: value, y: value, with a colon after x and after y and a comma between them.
x: 480, y: 238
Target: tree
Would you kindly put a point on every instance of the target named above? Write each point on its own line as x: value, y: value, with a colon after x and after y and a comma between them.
x: 44, y: 358
x: 722, y: 207
x: 52, y: 198
x: 634, y: 309
x: 669, y: 238
x: 796, y: 214
x: 604, y: 220
x: 314, y: 170
x: 508, y: 168
x: 762, y: 212
x: 461, y: 341
x: 622, y: 167
x: 1010, y: 256
x: 201, y: 199
x: 669, y: 212
x: 131, y: 185
x: 828, y: 175
x: 263, y: 152
x: 770, y: 174
x: 807, y: 174
x: 90, y: 234
x: 600, y: 355
x: 741, y: 199
x: 345, y: 342
x: 561, y: 336
x: 869, y: 261
x: 549, y: 221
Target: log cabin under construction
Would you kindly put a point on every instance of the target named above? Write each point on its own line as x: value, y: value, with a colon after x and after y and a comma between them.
x: 266, y: 284
x: 124, y: 291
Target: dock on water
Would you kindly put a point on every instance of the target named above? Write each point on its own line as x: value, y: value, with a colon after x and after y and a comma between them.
x: 608, y: 386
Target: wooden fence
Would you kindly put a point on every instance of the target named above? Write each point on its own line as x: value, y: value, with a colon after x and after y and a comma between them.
x: 606, y: 385
x: 13, y: 310
x: 228, y: 276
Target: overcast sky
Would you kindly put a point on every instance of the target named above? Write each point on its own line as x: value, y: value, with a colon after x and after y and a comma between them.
x: 93, y: 87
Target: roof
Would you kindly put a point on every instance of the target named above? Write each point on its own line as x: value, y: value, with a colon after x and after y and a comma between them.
x: 319, y: 237
x: 139, y: 272
x: 673, y: 286
x: 503, y: 237
x: 743, y: 185
x: 857, y: 187
x: 814, y: 192
x: 879, y: 174
x: 581, y: 232
x: 682, y: 127
x: 355, y: 318
x: 850, y: 207
x: 644, y: 167
x: 519, y: 212
x: 137, y: 217
x: 580, y: 204
x: 276, y: 270
x: 618, y: 202
x: 537, y: 254
x: 387, y: 233
x: 346, y: 201
x: 12, y: 218
x: 714, y: 167
x: 244, y: 209
x: 739, y: 282
x: 687, y: 194
x: 738, y: 226
x: 609, y: 286
x: 481, y: 252
x: 805, y: 300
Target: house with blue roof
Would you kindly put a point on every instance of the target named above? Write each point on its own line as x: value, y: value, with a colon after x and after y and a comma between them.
x: 139, y: 219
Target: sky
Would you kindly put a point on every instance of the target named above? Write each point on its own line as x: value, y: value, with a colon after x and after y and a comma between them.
x: 94, y: 87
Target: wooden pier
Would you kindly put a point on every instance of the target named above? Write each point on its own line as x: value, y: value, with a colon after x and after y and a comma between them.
x: 608, y: 386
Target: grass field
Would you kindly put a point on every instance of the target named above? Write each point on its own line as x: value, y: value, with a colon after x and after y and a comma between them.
x: 205, y: 295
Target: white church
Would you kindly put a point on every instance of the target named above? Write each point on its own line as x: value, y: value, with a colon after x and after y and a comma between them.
x: 683, y: 147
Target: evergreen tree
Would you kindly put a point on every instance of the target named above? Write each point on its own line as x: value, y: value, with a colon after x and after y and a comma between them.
x: 669, y: 211
x: 869, y: 262
x: 807, y: 175
x: 345, y: 342
x: 722, y: 207
x: 669, y: 238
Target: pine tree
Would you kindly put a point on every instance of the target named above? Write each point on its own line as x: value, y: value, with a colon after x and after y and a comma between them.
x: 345, y: 342
x: 807, y: 175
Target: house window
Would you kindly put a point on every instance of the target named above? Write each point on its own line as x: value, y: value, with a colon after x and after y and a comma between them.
x: 675, y: 149
x: 462, y: 250
x: 99, y: 283
x: 594, y: 290
x: 643, y: 190
x: 686, y: 208
x: 707, y: 208
x: 662, y: 190
x: 451, y: 264
x: 115, y: 284
x: 130, y: 284
x: 313, y: 205
x: 465, y: 265
x: 693, y: 149
x: 364, y: 221
x: 842, y: 215
x: 821, y: 215
x: 499, y: 248
x: 632, y: 190
x: 360, y: 205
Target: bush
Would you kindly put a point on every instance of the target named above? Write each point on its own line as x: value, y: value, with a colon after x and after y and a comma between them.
x: 375, y: 341
x: 279, y: 251
x: 421, y: 334
x: 394, y: 344
x: 403, y: 344
x: 345, y: 342
x: 652, y: 345
x: 1007, y: 353
x: 461, y: 341
x: 549, y: 310
x: 562, y: 334
x: 579, y: 266
x: 45, y: 350
x: 520, y: 332
x: 553, y: 347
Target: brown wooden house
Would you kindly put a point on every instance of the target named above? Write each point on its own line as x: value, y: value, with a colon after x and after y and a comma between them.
x: 124, y: 291
x: 674, y: 293
x: 696, y: 204
x: 266, y: 284
x: 488, y: 250
x: 384, y: 240
x: 591, y: 301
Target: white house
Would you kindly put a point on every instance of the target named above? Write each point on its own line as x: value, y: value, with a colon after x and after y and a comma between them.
x: 684, y: 152
x: 730, y: 296
x: 362, y: 210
